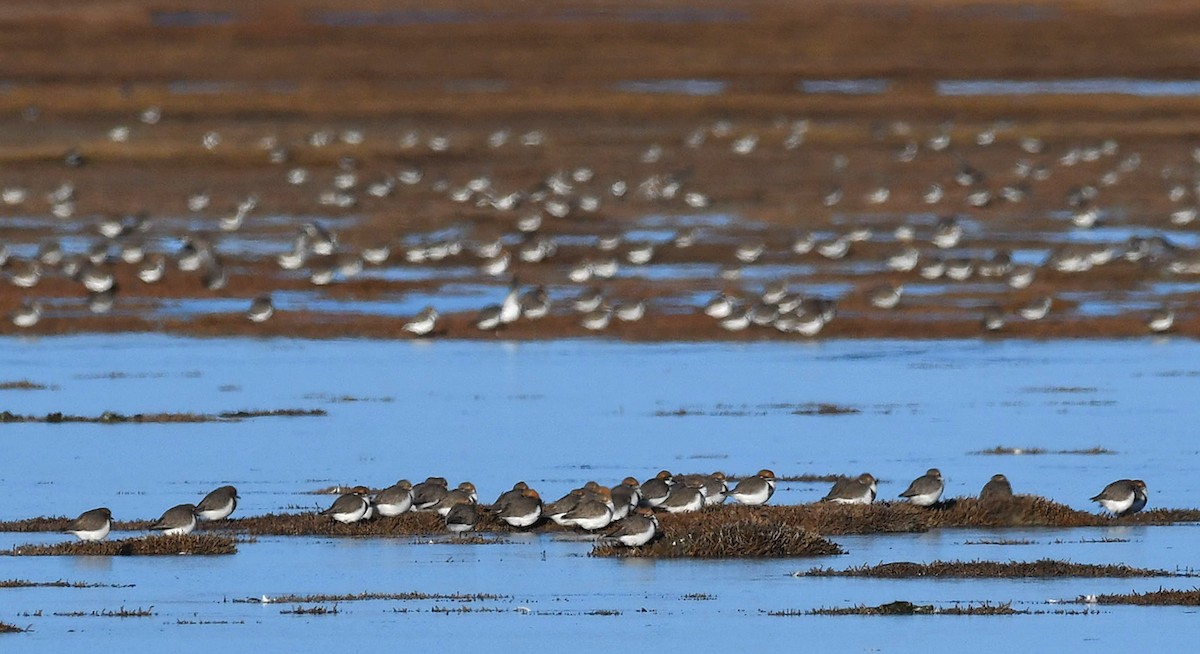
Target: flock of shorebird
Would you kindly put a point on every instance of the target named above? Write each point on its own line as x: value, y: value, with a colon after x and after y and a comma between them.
x: 626, y: 510
x: 924, y: 250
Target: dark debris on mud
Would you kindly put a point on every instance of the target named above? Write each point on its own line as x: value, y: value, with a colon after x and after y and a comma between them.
x: 1160, y: 597
x: 61, y: 583
x: 23, y: 385
x: 714, y: 534
x: 1043, y: 568
x: 1001, y: 450
x: 113, y: 418
x: 902, y: 607
x: 364, y: 597
x: 110, y: 613
x: 199, y: 544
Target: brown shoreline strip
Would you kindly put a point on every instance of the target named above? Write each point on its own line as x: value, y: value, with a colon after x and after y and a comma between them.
x: 200, y: 544
x: 1044, y: 568
x: 1160, y: 597
x: 821, y: 518
x: 364, y: 597
x: 908, y: 608
x: 112, y: 418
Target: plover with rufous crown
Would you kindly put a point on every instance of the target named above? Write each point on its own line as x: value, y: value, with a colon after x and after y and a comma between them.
x: 634, y: 531
x: 756, y: 490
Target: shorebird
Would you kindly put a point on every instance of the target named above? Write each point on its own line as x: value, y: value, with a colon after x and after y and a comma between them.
x: 488, y: 318
x: 992, y: 319
x: 261, y: 309
x: 597, y: 320
x: 1035, y: 309
x: 177, y: 521
x: 1021, y: 276
x: 27, y: 315
x: 1161, y: 320
x: 630, y: 312
x: 737, y: 321
x: 625, y: 497
x: 428, y: 493
x: 684, y: 498
x: 535, y: 303
x: 463, y: 494
x: 150, y: 271
x: 756, y: 490
x: 91, y: 525
x: 395, y: 499
x: 947, y: 233
x: 461, y: 518
x: 715, y: 489
x: 592, y: 513
x: 523, y: 510
x: 655, y: 490
x: 218, y: 504
x: 510, y: 307
x: 564, y: 505
x: 749, y: 252
x: 886, y: 296
x: 634, y: 531
x: 720, y: 306
x: 422, y: 323
x: 997, y: 488
x: 1123, y: 497
x: 350, y: 507
x: 856, y: 490
x: 925, y: 490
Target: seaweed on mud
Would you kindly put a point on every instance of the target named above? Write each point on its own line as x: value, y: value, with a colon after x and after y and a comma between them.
x: 24, y: 583
x: 113, y: 418
x: 23, y: 385
x: 1044, y: 568
x: 109, y: 613
x: 199, y: 544
x: 1160, y: 597
x: 710, y: 535
x: 908, y: 608
x: 362, y: 597
x: 311, y: 610
x: 1001, y: 450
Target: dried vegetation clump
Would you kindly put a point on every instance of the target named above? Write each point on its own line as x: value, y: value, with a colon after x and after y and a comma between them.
x: 112, y: 418
x: 908, y: 608
x: 1160, y: 597
x: 203, y: 544
x: 988, y: 570
x: 711, y: 535
x: 22, y: 385
x: 364, y: 597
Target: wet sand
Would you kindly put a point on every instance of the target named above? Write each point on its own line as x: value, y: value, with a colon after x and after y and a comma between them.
x: 407, y: 87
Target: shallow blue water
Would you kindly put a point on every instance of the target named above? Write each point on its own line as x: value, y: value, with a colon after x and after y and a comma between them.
x: 557, y: 414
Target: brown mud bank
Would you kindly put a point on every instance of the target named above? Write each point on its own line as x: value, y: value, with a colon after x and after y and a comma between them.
x: 201, y: 544
x: 1160, y: 597
x: 821, y: 518
x: 1044, y: 568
